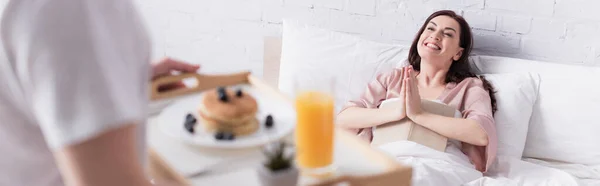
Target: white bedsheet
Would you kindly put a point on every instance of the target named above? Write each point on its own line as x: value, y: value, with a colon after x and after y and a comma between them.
x: 577, y: 170
x: 433, y: 168
x: 518, y: 172
x: 586, y: 175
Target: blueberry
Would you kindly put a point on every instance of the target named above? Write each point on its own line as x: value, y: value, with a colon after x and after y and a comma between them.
x: 269, y: 122
x: 229, y: 136
x: 189, y: 127
x: 222, y: 94
x: 224, y: 136
x: 189, y: 118
x: 239, y: 93
x: 220, y: 136
x: 189, y: 123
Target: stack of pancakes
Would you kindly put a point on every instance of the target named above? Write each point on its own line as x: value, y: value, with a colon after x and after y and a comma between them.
x: 226, y: 110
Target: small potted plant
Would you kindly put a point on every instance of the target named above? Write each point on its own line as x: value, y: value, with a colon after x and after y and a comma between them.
x: 278, y: 169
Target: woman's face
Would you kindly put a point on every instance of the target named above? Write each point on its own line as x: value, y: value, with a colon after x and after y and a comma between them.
x: 440, y: 40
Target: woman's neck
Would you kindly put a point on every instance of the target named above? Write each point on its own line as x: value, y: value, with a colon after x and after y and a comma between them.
x: 431, y: 75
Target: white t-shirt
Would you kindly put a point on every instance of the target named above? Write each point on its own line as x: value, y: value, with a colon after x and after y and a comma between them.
x: 69, y: 70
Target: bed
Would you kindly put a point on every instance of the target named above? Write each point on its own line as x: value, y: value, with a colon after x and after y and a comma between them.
x: 532, y: 132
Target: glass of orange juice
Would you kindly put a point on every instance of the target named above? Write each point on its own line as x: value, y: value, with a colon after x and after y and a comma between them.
x: 314, y: 104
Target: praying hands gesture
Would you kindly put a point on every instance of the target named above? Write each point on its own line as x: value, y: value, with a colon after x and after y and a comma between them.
x: 411, y: 94
x: 410, y: 100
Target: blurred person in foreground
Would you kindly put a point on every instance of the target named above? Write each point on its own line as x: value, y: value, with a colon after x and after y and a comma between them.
x: 74, y: 78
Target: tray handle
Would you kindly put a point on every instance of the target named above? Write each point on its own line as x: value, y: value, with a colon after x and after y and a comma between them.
x: 386, y: 179
x: 203, y: 82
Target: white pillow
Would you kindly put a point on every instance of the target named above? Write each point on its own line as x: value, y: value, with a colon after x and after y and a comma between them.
x: 564, y: 124
x: 516, y: 94
x: 314, y: 54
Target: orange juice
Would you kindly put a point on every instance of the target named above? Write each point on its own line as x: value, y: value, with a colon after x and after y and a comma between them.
x: 314, y: 131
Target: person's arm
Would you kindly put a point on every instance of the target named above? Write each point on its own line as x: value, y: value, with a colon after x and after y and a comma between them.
x: 358, y: 117
x: 86, y: 76
x: 105, y: 145
x: 364, y: 112
x: 476, y: 155
x: 465, y: 130
x: 107, y: 159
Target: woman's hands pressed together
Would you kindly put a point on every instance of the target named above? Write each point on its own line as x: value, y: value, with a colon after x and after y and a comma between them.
x: 399, y: 108
x: 409, y: 104
x: 411, y: 93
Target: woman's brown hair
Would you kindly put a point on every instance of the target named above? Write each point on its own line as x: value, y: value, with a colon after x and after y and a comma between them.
x: 460, y: 69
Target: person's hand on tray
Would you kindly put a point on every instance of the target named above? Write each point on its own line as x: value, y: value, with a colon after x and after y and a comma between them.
x: 167, y: 66
x: 162, y: 183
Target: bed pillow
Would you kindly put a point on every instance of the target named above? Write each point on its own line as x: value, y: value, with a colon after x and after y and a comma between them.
x: 516, y: 94
x: 313, y: 54
x: 564, y: 124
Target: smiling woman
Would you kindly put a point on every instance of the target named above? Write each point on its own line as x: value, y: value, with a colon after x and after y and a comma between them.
x: 438, y: 70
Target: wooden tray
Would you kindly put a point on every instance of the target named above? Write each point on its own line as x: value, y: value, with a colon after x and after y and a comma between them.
x: 388, y: 171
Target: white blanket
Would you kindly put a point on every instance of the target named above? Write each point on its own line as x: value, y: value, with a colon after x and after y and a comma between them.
x: 433, y: 168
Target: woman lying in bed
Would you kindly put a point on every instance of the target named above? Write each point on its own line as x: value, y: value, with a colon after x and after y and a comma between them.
x: 438, y: 70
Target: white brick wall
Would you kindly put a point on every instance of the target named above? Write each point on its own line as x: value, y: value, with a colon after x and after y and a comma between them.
x: 219, y: 33
x: 481, y: 20
x: 514, y: 24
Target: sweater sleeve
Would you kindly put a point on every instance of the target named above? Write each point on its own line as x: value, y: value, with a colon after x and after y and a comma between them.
x: 478, y: 107
x: 375, y: 92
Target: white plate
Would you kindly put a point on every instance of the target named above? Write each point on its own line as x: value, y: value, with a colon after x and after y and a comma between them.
x: 171, y: 122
